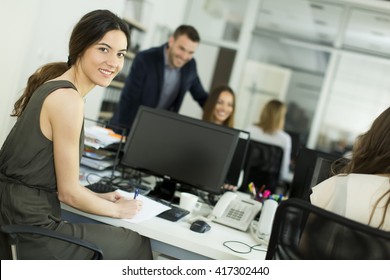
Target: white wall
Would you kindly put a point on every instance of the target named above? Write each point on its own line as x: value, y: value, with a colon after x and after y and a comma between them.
x: 35, y: 32
x: 169, y: 13
x: 16, y: 28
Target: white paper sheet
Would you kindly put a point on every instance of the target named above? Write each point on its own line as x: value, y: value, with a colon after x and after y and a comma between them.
x: 150, y: 208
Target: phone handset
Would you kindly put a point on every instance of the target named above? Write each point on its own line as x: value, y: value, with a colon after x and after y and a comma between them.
x: 261, y: 231
x: 223, y: 203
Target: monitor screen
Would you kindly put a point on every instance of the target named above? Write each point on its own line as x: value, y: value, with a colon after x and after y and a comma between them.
x: 322, y: 170
x: 237, y: 165
x: 180, y: 148
x: 296, y: 144
x: 312, y: 167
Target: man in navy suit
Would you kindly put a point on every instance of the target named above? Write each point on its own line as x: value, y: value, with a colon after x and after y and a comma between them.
x: 160, y: 77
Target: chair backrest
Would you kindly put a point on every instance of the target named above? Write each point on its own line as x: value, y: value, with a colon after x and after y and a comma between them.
x: 10, y: 234
x: 304, y: 231
x: 263, y: 165
x: 307, y: 164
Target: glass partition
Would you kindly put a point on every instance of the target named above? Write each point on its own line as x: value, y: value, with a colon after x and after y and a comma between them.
x: 359, y: 92
x: 335, y: 59
x: 312, y: 21
x: 327, y: 59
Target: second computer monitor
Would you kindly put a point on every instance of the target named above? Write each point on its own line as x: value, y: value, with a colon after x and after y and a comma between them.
x: 235, y: 174
x: 180, y: 149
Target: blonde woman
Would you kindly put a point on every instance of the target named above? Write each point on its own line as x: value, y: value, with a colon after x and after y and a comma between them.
x: 269, y: 130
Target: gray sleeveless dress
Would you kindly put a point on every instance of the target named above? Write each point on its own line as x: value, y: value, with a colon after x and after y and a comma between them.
x: 28, y: 195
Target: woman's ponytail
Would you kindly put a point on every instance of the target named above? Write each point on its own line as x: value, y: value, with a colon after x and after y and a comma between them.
x: 42, y: 75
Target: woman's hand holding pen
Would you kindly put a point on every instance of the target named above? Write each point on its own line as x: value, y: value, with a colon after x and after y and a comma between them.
x: 128, y: 208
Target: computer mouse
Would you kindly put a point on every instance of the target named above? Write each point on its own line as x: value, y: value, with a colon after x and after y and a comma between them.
x: 200, y: 226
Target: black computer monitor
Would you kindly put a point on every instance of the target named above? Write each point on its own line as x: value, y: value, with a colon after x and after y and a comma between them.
x: 236, y: 169
x: 322, y: 170
x: 180, y: 149
x: 296, y: 144
x: 312, y: 168
x: 263, y: 165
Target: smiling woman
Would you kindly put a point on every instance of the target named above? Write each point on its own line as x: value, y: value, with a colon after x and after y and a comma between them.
x: 106, y: 56
x: 40, y: 158
x: 220, y: 105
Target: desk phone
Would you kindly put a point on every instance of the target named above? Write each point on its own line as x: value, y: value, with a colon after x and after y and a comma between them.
x: 235, y: 212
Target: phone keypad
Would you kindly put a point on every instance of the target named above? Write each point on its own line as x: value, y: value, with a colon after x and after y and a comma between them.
x: 237, y: 212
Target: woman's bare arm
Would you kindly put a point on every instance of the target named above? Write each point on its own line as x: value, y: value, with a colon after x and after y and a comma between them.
x: 61, y: 121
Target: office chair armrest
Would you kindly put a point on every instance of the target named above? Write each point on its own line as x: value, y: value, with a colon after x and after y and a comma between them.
x: 14, y: 230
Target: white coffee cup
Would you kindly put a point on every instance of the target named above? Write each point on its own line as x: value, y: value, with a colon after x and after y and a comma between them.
x: 189, y: 201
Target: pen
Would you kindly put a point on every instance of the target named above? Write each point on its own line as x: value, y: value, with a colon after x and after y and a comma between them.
x: 262, y: 189
x: 136, y: 193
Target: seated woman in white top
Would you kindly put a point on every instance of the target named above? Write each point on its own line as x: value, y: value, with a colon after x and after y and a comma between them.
x: 270, y: 130
x: 362, y: 191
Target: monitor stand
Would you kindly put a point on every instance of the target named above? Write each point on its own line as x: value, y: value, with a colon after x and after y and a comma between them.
x: 211, y: 199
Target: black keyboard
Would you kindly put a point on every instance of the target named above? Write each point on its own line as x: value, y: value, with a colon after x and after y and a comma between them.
x: 132, y: 184
x: 101, y: 187
x: 174, y: 214
x: 107, y: 186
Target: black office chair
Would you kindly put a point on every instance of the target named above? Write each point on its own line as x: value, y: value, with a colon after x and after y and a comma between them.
x: 303, y: 231
x: 313, y: 167
x: 263, y: 164
x: 10, y: 234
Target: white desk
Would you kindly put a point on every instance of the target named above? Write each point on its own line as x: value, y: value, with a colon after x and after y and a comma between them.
x: 177, y: 240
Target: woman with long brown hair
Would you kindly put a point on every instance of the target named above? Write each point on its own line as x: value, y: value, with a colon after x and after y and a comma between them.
x: 39, y: 161
x: 361, y: 190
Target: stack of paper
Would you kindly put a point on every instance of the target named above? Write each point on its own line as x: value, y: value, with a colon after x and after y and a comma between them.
x: 100, y: 137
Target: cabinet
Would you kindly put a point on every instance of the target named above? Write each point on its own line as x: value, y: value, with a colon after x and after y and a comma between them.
x: 113, y: 91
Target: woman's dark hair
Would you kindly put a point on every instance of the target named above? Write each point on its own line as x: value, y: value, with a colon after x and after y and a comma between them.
x: 90, y: 29
x: 371, y: 155
x: 371, y: 152
x: 209, y: 106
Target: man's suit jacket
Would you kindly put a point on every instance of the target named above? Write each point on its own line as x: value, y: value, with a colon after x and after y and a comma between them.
x: 144, y: 83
